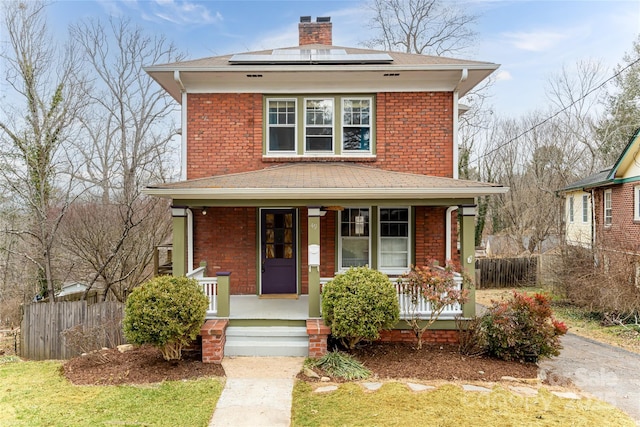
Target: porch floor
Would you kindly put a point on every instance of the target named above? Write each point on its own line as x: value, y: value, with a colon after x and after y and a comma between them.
x: 249, y: 307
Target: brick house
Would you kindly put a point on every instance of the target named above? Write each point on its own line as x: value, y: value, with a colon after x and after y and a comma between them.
x: 301, y: 162
x: 613, y: 213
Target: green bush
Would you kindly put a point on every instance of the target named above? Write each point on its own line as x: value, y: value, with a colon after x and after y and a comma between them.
x: 166, y: 312
x: 358, y: 304
x: 522, y: 328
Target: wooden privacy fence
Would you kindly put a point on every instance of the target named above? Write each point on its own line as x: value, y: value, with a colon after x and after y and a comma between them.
x: 506, y: 272
x: 43, y: 325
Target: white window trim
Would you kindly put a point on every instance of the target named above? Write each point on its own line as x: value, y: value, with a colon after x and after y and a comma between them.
x: 280, y: 153
x: 333, y: 127
x: 356, y: 153
x: 604, y: 206
x: 340, y: 268
x: 585, y: 209
x: 397, y: 270
x: 636, y: 203
x: 571, y: 209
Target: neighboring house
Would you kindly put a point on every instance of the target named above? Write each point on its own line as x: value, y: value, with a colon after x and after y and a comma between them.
x: 578, y: 217
x: 71, y: 289
x: 301, y: 162
x: 611, y: 219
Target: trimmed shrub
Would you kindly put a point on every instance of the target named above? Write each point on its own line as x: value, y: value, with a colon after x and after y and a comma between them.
x: 166, y: 312
x: 358, y: 304
x: 522, y: 328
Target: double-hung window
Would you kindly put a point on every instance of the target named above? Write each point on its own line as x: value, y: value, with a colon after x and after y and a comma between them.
x: 394, y: 240
x: 281, y: 135
x: 356, y: 125
x: 571, y: 209
x: 608, y: 209
x: 585, y: 208
x: 354, y: 237
x: 319, y: 125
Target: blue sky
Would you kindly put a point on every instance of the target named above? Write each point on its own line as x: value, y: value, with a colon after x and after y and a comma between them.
x: 530, y: 39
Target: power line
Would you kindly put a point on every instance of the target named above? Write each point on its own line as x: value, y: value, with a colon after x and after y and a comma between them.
x: 557, y: 113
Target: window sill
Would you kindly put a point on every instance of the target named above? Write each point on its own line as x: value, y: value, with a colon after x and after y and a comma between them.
x: 330, y: 158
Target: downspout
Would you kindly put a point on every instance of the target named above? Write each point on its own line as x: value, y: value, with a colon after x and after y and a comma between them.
x: 463, y: 77
x: 189, y: 241
x: 593, y: 220
x: 447, y: 239
x: 183, y: 126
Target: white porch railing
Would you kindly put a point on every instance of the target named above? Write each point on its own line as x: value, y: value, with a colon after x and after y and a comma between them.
x: 423, y: 307
x: 209, y: 287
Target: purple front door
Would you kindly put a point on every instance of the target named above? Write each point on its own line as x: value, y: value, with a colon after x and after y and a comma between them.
x: 278, y: 251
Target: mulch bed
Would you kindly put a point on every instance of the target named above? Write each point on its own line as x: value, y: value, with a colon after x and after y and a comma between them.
x: 386, y: 361
x: 139, y: 366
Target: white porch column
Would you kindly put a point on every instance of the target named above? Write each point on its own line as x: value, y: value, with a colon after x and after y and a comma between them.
x: 313, y: 235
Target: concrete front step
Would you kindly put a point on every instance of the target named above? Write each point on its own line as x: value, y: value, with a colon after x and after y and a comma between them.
x: 266, y: 341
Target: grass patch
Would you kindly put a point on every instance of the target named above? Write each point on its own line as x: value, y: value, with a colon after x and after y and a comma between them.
x: 395, y: 405
x: 341, y: 365
x: 35, y: 393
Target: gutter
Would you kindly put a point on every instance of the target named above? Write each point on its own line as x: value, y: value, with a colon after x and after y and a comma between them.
x: 325, y: 193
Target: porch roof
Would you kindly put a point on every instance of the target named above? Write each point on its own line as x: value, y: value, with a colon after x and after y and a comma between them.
x: 337, y: 181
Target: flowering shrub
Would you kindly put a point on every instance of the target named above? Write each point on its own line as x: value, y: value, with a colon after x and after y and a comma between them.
x: 434, y: 285
x: 359, y: 303
x: 522, y: 328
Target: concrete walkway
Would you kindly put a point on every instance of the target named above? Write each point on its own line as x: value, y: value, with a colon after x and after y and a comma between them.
x: 604, y: 371
x: 255, y: 396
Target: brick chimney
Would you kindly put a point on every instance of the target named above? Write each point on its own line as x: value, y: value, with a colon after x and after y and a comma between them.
x: 318, y: 32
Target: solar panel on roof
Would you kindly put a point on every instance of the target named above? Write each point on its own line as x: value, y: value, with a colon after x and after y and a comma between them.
x: 311, y: 56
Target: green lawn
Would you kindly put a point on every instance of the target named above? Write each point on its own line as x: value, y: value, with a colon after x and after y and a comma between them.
x: 35, y: 394
x: 395, y: 405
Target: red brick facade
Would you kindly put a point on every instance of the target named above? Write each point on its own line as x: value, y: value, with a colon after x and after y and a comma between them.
x: 624, y: 232
x: 226, y: 239
x: 439, y: 336
x: 414, y: 134
x: 315, y: 33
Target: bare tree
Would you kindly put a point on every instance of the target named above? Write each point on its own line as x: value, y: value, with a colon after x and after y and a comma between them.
x: 36, y: 130
x: 622, y: 106
x: 132, y: 125
x: 428, y: 27
x: 129, y: 142
x: 574, y: 93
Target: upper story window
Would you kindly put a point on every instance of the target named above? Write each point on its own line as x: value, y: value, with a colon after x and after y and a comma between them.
x: 281, y: 134
x: 636, y: 203
x: 585, y: 208
x: 356, y: 125
x: 336, y: 125
x: 608, y: 210
x: 318, y: 132
x: 571, y: 209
